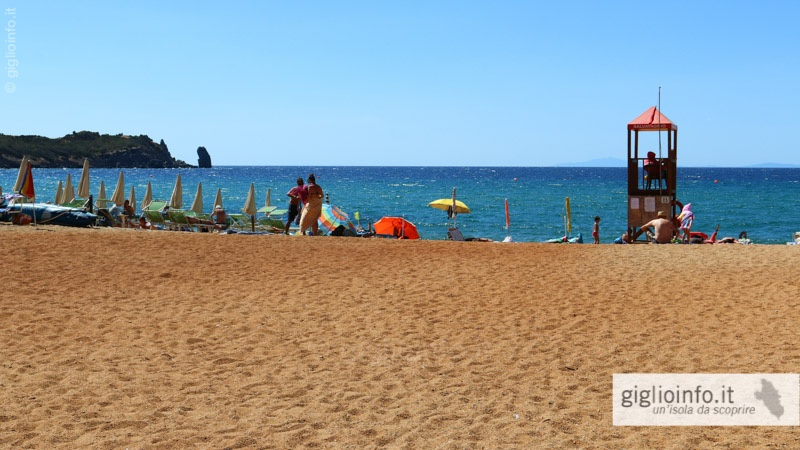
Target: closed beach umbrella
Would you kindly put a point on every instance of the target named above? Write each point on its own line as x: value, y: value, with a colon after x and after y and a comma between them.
x: 59, y: 193
x: 176, y: 201
x: 269, y: 198
x: 83, y: 184
x: 101, y: 196
x: 118, y: 197
x: 218, y: 198
x: 132, y: 198
x: 250, y: 205
x: 69, y: 191
x: 148, y: 196
x: 23, y: 168
x: 197, y: 204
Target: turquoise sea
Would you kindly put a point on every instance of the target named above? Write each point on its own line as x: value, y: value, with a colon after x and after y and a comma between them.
x: 763, y: 202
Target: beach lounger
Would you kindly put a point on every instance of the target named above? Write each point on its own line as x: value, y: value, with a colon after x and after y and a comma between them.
x: 157, y: 221
x: 454, y: 234
x: 271, y: 225
x: 239, y: 221
x: 179, y: 221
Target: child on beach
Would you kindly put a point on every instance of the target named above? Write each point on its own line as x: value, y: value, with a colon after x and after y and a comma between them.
x: 596, y: 230
x: 686, y: 219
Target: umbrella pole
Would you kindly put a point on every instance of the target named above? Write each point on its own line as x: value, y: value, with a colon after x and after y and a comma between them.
x: 253, y: 223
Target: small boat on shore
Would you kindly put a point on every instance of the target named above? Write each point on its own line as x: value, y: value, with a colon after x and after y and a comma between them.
x: 45, y: 213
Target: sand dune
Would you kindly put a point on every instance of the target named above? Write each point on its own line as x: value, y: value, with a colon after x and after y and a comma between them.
x: 126, y: 338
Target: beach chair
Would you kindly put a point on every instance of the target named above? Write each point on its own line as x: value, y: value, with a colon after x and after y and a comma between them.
x: 157, y: 221
x: 239, y: 221
x: 271, y: 225
x: 454, y: 234
x: 179, y: 221
x: 206, y: 225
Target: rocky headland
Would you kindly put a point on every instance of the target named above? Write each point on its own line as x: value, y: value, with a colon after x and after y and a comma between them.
x: 103, y: 150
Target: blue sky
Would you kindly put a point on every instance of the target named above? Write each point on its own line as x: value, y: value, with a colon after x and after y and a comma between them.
x: 513, y: 83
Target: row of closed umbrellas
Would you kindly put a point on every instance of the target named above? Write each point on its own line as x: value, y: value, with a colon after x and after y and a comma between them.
x: 331, y: 216
x: 65, y: 193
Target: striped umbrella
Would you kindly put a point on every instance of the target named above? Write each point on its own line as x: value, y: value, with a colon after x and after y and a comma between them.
x: 331, y: 217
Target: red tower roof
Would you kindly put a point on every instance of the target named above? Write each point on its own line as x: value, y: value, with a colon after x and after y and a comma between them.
x: 652, y: 120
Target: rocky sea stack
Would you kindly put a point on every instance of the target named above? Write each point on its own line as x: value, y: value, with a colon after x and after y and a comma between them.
x: 203, y: 158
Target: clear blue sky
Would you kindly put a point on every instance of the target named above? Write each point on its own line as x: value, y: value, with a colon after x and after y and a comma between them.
x: 512, y: 83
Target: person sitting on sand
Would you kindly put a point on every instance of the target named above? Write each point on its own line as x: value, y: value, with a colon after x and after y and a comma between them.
x: 625, y: 238
x: 127, y: 214
x: 663, y: 229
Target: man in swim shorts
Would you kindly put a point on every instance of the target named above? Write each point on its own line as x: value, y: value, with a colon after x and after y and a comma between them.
x: 663, y: 229
x: 297, y: 196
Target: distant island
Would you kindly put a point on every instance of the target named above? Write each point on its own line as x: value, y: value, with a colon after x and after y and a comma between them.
x: 102, y: 150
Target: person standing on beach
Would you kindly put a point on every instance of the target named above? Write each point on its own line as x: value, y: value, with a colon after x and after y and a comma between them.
x: 596, y: 230
x: 686, y: 217
x: 297, y: 196
x: 313, y: 208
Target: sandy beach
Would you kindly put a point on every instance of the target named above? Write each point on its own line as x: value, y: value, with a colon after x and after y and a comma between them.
x: 118, y: 338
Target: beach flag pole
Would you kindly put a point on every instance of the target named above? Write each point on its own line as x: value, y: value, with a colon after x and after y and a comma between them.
x: 455, y: 211
x: 508, y: 224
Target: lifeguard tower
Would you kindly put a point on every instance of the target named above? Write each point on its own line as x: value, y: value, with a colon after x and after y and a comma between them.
x: 651, y: 171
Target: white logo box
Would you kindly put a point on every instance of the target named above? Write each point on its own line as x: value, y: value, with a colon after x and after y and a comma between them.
x: 768, y: 399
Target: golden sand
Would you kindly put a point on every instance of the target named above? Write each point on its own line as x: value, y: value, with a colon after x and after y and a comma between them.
x: 115, y: 338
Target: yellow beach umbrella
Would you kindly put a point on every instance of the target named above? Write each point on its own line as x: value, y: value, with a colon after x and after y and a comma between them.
x: 148, y: 196
x: 447, y: 203
x: 218, y: 198
x: 69, y: 191
x: 101, y: 196
x: 250, y: 205
x: 176, y: 201
x: 59, y: 193
x: 83, y: 184
x: 118, y: 197
x: 197, y: 204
